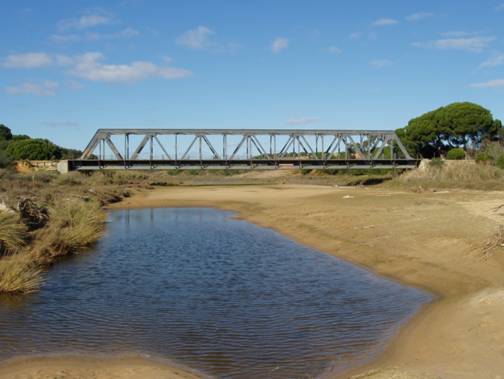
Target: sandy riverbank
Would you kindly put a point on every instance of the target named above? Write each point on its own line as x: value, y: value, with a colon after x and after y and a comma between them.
x: 91, y: 368
x: 435, y: 240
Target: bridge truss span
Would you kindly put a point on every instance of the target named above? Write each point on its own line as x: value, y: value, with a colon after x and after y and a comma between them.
x: 242, y: 149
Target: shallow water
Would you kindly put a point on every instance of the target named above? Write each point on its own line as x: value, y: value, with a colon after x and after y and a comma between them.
x: 223, y: 296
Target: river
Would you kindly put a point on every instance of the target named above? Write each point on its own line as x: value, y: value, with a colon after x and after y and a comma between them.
x: 220, y: 295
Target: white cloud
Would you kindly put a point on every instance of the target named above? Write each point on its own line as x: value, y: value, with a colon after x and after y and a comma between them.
x: 419, y: 16
x: 496, y: 60
x: 303, y: 121
x: 65, y: 38
x: 36, y: 60
x: 380, y: 63
x: 85, y: 21
x: 334, y: 50
x: 74, y: 85
x: 496, y: 83
x: 27, y: 60
x: 126, y: 33
x: 460, y: 33
x: 89, y: 66
x: 385, y: 22
x: 45, y: 88
x: 199, y: 38
x: 355, y: 35
x: 279, y: 44
x: 471, y: 44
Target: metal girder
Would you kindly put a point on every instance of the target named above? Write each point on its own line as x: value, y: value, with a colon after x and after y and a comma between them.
x: 257, y: 145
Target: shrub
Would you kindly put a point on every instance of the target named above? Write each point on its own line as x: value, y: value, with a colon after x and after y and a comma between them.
x: 19, y: 274
x: 4, y: 159
x: 34, y: 149
x: 483, y: 157
x: 5, y: 133
x: 12, y: 233
x: 69, y: 179
x: 467, y: 175
x: 456, y: 154
x: 494, y: 150
x: 500, y: 162
x: 73, y: 226
x: 78, y: 224
x: 436, y: 163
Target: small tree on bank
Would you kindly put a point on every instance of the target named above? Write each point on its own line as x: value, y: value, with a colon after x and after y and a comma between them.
x: 455, y: 125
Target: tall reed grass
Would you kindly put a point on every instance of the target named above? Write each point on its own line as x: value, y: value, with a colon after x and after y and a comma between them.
x: 19, y: 274
x: 12, y: 233
x: 73, y: 226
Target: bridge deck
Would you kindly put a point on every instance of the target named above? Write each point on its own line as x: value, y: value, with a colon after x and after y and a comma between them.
x: 240, y: 164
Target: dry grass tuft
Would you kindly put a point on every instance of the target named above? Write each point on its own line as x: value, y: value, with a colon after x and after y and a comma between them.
x: 453, y: 174
x: 12, y: 233
x: 73, y: 226
x: 79, y: 223
x: 19, y: 274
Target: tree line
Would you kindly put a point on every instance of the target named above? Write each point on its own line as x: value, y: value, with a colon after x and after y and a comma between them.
x: 22, y: 147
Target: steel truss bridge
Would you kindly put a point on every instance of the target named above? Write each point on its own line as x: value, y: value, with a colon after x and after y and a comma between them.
x: 242, y: 149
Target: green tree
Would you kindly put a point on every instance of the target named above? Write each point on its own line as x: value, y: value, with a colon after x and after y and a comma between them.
x: 17, y: 137
x: 34, y: 149
x: 5, y: 133
x: 456, y: 154
x: 70, y: 153
x: 455, y: 125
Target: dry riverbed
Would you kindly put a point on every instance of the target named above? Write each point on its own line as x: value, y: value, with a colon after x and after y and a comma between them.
x: 447, y: 242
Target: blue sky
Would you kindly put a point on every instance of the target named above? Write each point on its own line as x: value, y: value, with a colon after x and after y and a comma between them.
x: 70, y: 67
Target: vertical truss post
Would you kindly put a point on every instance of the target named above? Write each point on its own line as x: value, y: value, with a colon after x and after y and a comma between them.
x: 151, y: 148
x: 247, y: 147
x: 224, y: 146
x: 200, y: 150
x: 275, y: 146
x: 271, y: 145
x: 176, y: 146
x: 126, y: 146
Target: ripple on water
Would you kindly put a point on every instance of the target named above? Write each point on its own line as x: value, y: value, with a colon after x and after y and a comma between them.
x: 221, y: 295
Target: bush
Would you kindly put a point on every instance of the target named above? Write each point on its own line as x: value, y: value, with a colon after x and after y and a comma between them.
x: 19, y: 274
x: 494, y: 150
x: 466, y: 174
x: 78, y: 224
x: 456, y: 154
x: 12, y: 233
x: 436, y: 163
x: 70, y: 179
x: 500, y: 162
x: 4, y: 159
x: 33, y: 149
x: 5, y: 133
x: 483, y: 157
x: 73, y: 226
